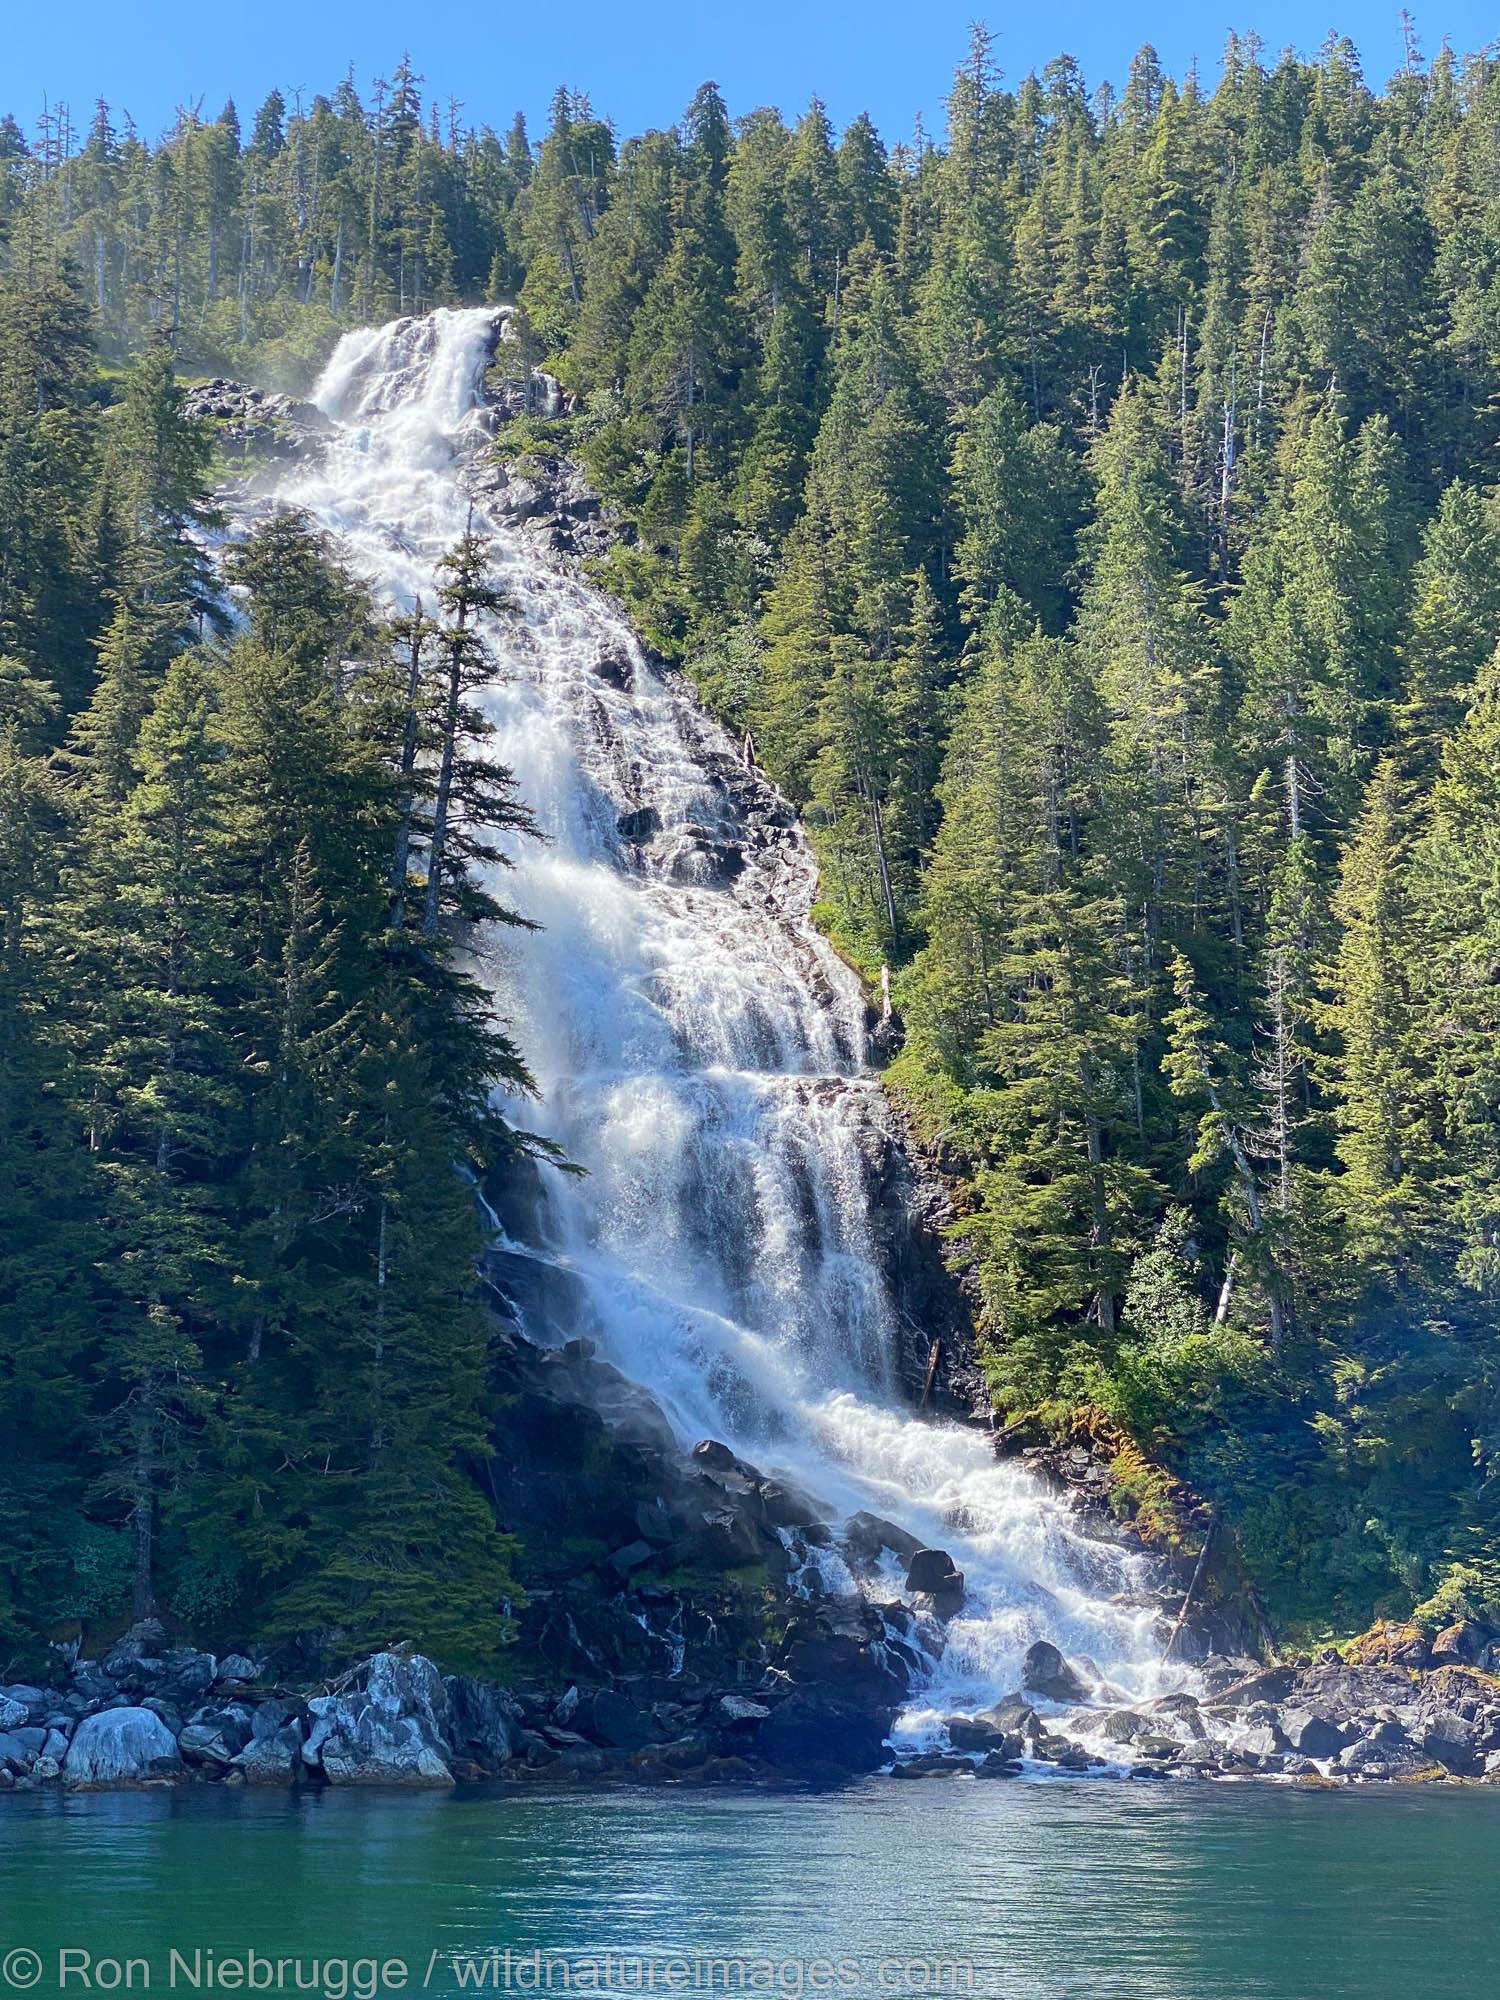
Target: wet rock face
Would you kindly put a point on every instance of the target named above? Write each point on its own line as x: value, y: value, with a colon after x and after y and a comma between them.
x: 254, y: 425
x: 698, y: 1554
x: 909, y: 1208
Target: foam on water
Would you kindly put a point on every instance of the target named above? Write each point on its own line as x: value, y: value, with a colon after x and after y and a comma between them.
x: 700, y: 1050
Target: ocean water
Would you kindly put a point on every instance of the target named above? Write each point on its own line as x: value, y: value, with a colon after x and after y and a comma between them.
x: 1030, y: 1890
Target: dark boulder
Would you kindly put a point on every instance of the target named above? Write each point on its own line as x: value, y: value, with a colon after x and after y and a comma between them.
x: 1045, y: 1672
x: 1224, y: 1670
x: 639, y: 825
x: 615, y: 1721
x: 839, y: 1659
x: 653, y: 1522
x: 1123, y: 1725
x: 867, y: 1537
x: 622, y: 1562
x: 788, y: 1507
x: 808, y: 1729
x: 725, y: 1538
x: 1388, y: 1756
x: 272, y: 1759
x: 481, y: 1729
x: 707, y: 863
x: 1011, y: 1712
x: 997, y: 1765
x: 715, y: 1456
x: 932, y: 1571
x: 977, y: 1733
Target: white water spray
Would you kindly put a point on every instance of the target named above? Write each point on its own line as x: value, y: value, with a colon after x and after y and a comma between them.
x: 700, y: 1050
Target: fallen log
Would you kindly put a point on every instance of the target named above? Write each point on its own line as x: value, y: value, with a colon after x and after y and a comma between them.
x: 1194, y: 1581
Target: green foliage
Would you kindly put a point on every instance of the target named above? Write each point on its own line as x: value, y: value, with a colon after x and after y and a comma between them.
x: 241, y: 1358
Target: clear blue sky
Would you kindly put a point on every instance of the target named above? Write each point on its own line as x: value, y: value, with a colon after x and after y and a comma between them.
x: 639, y: 60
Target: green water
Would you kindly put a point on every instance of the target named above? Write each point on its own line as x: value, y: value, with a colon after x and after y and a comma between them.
x: 1047, y: 1890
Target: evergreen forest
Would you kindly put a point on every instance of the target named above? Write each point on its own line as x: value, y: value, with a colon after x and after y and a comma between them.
x: 1092, y: 517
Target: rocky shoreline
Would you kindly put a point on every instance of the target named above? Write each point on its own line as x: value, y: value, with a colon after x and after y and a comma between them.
x: 150, y: 1714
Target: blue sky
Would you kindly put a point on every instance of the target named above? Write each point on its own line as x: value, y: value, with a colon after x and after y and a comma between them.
x: 639, y: 60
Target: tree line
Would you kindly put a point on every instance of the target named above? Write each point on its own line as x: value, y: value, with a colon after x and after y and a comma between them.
x: 1091, y: 517
x: 245, y: 1087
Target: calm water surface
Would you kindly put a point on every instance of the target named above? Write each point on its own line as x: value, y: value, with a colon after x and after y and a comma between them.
x: 1048, y: 1889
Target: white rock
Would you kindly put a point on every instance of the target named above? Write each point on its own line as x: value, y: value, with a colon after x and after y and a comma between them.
x: 121, y: 1746
x: 394, y: 1732
x: 740, y: 1708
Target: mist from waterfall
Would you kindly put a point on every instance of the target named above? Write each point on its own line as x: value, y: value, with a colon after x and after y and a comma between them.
x: 700, y: 1050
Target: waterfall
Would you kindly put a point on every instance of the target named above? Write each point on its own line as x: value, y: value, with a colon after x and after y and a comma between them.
x: 699, y: 1049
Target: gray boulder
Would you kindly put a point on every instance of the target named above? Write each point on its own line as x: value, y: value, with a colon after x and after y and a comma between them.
x: 364, y: 1749
x: 734, y: 1709
x: 187, y: 1676
x: 268, y: 1717
x: 1122, y: 1725
x: 216, y: 1734
x: 121, y: 1746
x: 408, y: 1685
x: 14, y: 1754
x: 1313, y: 1732
x: 1183, y: 1708
x: 272, y: 1760
x: 1447, y: 1736
x: 518, y: 499
x: 1387, y: 1753
x: 1265, y: 1740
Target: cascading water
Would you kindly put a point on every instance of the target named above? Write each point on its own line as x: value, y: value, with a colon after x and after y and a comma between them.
x: 700, y: 1051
